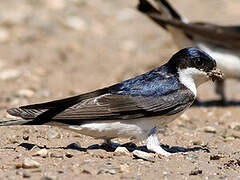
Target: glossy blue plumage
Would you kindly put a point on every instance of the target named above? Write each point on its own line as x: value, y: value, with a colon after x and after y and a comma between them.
x: 155, y: 83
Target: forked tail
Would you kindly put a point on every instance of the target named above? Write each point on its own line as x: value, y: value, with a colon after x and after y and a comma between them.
x: 160, y: 11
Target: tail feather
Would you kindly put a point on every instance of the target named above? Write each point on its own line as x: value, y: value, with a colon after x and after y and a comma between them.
x: 13, y: 122
x: 25, y: 113
x: 174, y: 14
x: 161, y: 12
x: 158, y: 7
x: 38, y: 114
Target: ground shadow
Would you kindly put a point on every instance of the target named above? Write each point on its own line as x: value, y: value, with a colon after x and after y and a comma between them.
x: 215, y: 103
x: 130, y: 146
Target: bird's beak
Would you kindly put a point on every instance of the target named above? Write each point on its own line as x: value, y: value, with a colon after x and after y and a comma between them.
x: 215, y: 74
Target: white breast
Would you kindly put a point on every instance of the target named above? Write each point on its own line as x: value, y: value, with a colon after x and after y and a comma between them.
x: 192, y: 78
x: 136, y: 128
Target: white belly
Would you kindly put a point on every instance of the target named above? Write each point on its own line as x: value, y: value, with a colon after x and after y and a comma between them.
x: 136, y: 129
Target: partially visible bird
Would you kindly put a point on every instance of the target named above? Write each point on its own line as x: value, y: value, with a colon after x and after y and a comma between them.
x: 133, y: 108
x: 221, y: 42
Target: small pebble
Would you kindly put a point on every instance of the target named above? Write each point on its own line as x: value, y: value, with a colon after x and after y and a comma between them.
x: 236, y: 134
x: 215, y: 157
x: 26, y: 174
x: 209, y: 129
x: 53, y: 155
x: 19, y: 172
x: 42, y: 153
x: 25, y: 93
x: 69, y: 155
x: 85, y: 171
x: 76, y: 23
x: 195, y: 172
x: 29, y: 163
x: 185, y: 117
x: 8, y: 74
x: 75, y: 145
x: 198, y: 142
x: 54, y: 134
x: 229, y: 139
x: 143, y: 155
x: 121, y: 151
x: 108, y: 171
x: 234, y: 126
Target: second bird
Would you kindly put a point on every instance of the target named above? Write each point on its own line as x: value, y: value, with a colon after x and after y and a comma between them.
x: 221, y: 42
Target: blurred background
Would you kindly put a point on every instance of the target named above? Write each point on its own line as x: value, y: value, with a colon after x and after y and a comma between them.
x: 50, y: 49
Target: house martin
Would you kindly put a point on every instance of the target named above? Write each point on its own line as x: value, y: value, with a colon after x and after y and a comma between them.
x: 133, y: 108
x: 221, y: 42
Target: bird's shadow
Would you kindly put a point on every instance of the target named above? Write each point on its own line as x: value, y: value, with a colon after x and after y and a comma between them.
x: 215, y: 103
x: 111, y: 148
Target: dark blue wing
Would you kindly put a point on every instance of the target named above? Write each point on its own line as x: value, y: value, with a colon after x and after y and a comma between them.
x: 155, y: 83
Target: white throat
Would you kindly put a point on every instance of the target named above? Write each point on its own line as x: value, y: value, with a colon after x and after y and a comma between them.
x: 192, y: 78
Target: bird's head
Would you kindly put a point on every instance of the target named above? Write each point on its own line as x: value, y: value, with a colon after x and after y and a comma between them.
x: 193, y: 64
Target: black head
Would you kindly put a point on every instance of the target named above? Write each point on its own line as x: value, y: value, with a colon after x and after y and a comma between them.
x: 192, y: 58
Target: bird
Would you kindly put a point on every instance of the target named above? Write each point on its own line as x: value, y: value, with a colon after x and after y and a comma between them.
x: 133, y: 108
x: 221, y: 42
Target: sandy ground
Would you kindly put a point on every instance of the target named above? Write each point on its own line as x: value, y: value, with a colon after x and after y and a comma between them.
x: 58, y: 48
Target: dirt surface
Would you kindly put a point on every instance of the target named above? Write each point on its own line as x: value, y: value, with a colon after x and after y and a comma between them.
x: 50, y: 49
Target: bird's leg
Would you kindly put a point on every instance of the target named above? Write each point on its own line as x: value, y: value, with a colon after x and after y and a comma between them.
x: 108, y: 144
x: 220, y: 90
x: 107, y: 141
x: 154, y: 145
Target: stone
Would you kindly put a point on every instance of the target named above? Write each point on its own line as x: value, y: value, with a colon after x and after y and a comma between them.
x: 236, y: 134
x: 8, y: 74
x: 234, y: 126
x: 229, y: 139
x: 121, y: 151
x: 209, y: 129
x: 195, y: 172
x: 143, y: 155
x: 107, y: 171
x: 198, y: 142
x: 29, y: 163
x: 25, y: 93
x: 215, y: 157
x: 42, y: 153
x: 26, y: 174
x: 76, y: 23
x: 54, y: 134
x: 69, y: 155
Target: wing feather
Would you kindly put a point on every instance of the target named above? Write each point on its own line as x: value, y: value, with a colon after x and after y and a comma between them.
x: 117, y: 106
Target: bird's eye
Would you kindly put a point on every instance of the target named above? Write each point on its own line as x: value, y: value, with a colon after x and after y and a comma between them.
x: 199, y: 62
